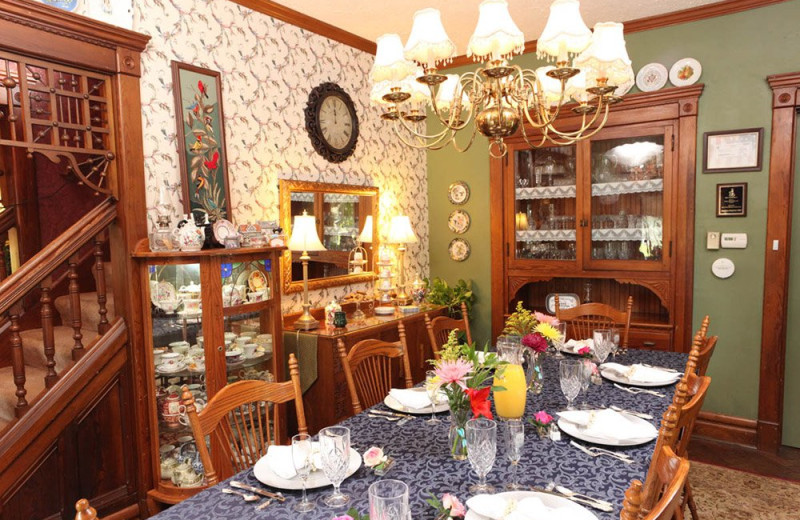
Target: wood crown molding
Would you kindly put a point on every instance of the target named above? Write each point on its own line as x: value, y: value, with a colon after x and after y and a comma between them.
x: 661, y: 20
x: 789, y: 79
x: 309, y: 23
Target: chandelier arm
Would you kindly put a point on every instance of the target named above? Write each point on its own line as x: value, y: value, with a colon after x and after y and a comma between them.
x: 435, y: 136
x: 469, y: 143
x: 527, y: 140
x: 580, y: 133
x: 421, y: 142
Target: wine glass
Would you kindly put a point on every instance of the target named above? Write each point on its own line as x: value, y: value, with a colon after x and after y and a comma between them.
x: 586, y: 378
x: 432, y: 389
x: 514, y: 437
x: 388, y: 500
x: 481, y: 451
x: 570, y: 376
x: 334, y: 444
x: 301, y: 457
x: 614, y: 341
x: 602, y: 343
x: 559, y: 345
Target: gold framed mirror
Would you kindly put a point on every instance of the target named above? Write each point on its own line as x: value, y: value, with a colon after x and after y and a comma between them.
x: 341, y: 212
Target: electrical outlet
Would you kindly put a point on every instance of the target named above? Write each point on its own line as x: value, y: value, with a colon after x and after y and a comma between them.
x: 712, y: 240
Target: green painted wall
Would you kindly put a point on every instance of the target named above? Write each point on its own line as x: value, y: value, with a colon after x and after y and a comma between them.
x: 737, y: 53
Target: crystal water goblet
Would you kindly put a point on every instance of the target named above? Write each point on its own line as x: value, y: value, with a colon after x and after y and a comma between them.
x: 301, y: 457
x: 432, y: 389
x: 388, y: 500
x: 602, y: 344
x: 334, y: 444
x: 570, y: 373
x: 481, y: 451
x: 514, y: 437
x: 614, y: 341
x: 559, y: 345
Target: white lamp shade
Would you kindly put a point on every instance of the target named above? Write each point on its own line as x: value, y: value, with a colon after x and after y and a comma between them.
x: 496, y: 36
x: 607, y: 56
x: 390, y: 65
x: 576, y: 87
x: 420, y: 94
x: 366, y: 233
x: 551, y: 87
x: 428, y: 43
x: 304, y: 234
x: 565, y: 32
x: 401, y: 232
x: 446, y: 95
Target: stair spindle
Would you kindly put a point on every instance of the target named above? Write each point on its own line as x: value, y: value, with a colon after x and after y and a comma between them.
x: 18, y: 362
x: 48, y: 333
x: 100, y: 276
x: 75, y: 308
x: 3, y: 268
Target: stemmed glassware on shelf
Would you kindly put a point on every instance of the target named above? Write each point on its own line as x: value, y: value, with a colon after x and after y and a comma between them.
x: 570, y: 376
x: 334, y: 444
x: 302, y: 449
x: 388, y: 500
x: 481, y: 451
x: 514, y: 437
x: 432, y: 389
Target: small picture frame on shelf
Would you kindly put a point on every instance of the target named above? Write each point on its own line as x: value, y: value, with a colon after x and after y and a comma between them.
x: 732, y: 199
x: 733, y: 150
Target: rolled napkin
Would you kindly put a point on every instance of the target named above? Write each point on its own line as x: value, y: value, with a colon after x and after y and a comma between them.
x: 637, y: 373
x: 574, y: 345
x: 281, y: 462
x: 498, y: 507
x: 414, y: 398
x: 609, y: 424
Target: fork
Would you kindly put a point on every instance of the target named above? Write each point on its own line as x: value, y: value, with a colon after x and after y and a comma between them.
x: 630, y: 412
x: 663, y: 369
x: 390, y: 419
x: 639, y: 390
x: 599, y: 452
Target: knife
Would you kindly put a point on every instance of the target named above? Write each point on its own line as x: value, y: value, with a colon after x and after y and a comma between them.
x: 240, y: 485
x: 601, y: 505
x: 392, y: 414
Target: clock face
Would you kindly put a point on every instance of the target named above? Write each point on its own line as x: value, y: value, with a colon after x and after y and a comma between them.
x: 335, y: 122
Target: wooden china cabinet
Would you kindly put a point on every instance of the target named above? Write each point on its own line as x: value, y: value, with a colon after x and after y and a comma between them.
x: 604, y: 218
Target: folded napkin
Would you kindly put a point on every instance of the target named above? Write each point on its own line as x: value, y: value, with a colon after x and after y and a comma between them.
x: 280, y: 461
x: 609, y: 424
x: 641, y: 374
x: 414, y: 398
x: 497, y: 507
x: 574, y: 345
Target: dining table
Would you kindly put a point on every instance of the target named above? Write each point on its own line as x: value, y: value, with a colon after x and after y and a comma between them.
x: 422, y: 457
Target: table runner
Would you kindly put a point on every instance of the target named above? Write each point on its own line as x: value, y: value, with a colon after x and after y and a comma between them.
x: 423, y: 460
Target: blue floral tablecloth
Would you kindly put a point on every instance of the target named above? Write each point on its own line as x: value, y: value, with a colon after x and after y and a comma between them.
x: 423, y: 460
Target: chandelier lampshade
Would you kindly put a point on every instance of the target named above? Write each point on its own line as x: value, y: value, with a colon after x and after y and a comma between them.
x: 565, y: 33
x: 390, y: 64
x: 607, y: 56
x: 428, y: 43
x: 496, y: 36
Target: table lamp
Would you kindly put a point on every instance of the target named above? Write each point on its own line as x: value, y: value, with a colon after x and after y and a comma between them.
x: 366, y: 238
x: 401, y: 233
x: 304, y: 238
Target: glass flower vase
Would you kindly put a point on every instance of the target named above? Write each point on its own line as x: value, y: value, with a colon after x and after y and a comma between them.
x: 534, y: 373
x: 457, y: 437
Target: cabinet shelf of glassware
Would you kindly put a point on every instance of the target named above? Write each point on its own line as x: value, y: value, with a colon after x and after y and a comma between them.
x: 607, y: 213
x: 211, y: 318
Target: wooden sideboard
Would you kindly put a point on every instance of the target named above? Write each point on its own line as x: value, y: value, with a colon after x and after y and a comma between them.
x: 327, y: 400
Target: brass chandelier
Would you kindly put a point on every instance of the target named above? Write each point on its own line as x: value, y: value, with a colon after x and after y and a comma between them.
x: 500, y: 96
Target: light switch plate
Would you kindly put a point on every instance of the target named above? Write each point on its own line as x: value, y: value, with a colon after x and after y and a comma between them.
x: 733, y: 240
x: 712, y: 240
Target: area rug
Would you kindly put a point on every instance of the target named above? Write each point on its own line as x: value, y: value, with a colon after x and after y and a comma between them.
x: 722, y: 493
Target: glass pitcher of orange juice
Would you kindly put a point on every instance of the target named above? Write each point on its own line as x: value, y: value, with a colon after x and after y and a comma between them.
x: 510, y: 402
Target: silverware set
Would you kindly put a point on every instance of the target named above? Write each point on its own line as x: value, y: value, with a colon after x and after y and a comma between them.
x: 645, y: 416
x: 579, y: 498
x: 594, y: 451
x: 631, y: 390
x: 254, y: 494
x: 400, y: 418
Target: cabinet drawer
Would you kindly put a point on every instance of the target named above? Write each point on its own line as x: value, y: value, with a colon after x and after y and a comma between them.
x: 650, y: 339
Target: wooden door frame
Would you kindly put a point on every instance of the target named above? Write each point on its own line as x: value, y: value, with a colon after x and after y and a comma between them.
x: 785, y: 105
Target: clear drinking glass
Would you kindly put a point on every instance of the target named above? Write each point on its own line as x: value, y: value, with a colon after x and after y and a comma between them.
x: 301, y: 457
x: 514, y: 437
x: 602, y: 343
x: 586, y: 378
x: 334, y: 444
x: 433, y: 394
x: 388, y: 500
x: 481, y: 451
x: 614, y: 340
x: 570, y: 376
x: 562, y: 330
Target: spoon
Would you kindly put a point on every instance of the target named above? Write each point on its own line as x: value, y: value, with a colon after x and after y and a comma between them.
x: 246, y: 496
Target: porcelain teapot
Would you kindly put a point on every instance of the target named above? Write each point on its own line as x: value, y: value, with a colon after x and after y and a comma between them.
x: 189, y: 237
x: 189, y: 291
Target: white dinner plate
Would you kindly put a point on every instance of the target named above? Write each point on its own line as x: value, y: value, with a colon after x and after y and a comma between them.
x: 573, y: 430
x: 577, y: 512
x: 316, y: 479
x: 395, y: 405
x: 613, y: 376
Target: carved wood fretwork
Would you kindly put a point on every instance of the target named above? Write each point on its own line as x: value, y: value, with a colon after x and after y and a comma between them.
x: 517, y: 282
x: 661, y: 288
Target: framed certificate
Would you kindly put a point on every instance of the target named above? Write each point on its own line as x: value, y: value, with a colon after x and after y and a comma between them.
x: 733, y: 150
x: 732, y: 200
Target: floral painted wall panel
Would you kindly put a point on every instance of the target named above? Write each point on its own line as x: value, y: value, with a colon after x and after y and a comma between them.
x: 268, y: 69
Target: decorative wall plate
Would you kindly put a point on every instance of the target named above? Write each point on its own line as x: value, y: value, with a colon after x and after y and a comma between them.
x: 652, y: 76
x: 162, y: 292
x: 685, y: 72
x: 458, y: 193
x: 459, y: 221
x: 223, y: 229
x: 625, y: 87
x: 67, y: 5
x: 459, y: 249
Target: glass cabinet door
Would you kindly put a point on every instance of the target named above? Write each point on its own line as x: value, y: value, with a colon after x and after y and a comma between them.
x: 629, y: 181
x: 544, y: 208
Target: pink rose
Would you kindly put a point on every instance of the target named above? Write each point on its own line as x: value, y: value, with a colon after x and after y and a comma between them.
x: 373, y: 457
x: 543, y: 418
x: 545, y: 318
x: 455, y: 506
x: 585, y: 351
x: 535, y: 342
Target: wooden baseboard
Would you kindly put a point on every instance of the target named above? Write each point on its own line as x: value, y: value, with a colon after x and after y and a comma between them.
x: 727, y: 428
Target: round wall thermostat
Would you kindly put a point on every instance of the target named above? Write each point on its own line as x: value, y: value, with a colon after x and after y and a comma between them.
x: 723, y: 268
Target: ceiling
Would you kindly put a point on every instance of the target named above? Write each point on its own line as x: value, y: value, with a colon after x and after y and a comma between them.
x: 372, y: 18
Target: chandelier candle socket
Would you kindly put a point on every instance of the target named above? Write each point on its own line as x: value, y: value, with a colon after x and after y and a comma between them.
x: 500, y: 98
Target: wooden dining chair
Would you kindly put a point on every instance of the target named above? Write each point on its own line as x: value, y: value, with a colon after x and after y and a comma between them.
x: 84, y: 511
x: 242, y: 422
x: 687, y: 417
x: 368, y: 368
x: 439, y: 329
x: 583, y: 319
x: 670, y: 474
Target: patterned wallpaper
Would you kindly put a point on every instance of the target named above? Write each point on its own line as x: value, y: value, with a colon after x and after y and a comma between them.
x: 268, y: 69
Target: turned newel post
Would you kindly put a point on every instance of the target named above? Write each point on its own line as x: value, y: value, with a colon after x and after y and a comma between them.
x: 18, y: 362
x: 100, y: 276
x: 84, y: 511
x: 75, y: 308
x: 48, y: 333
x: 631, y: 505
